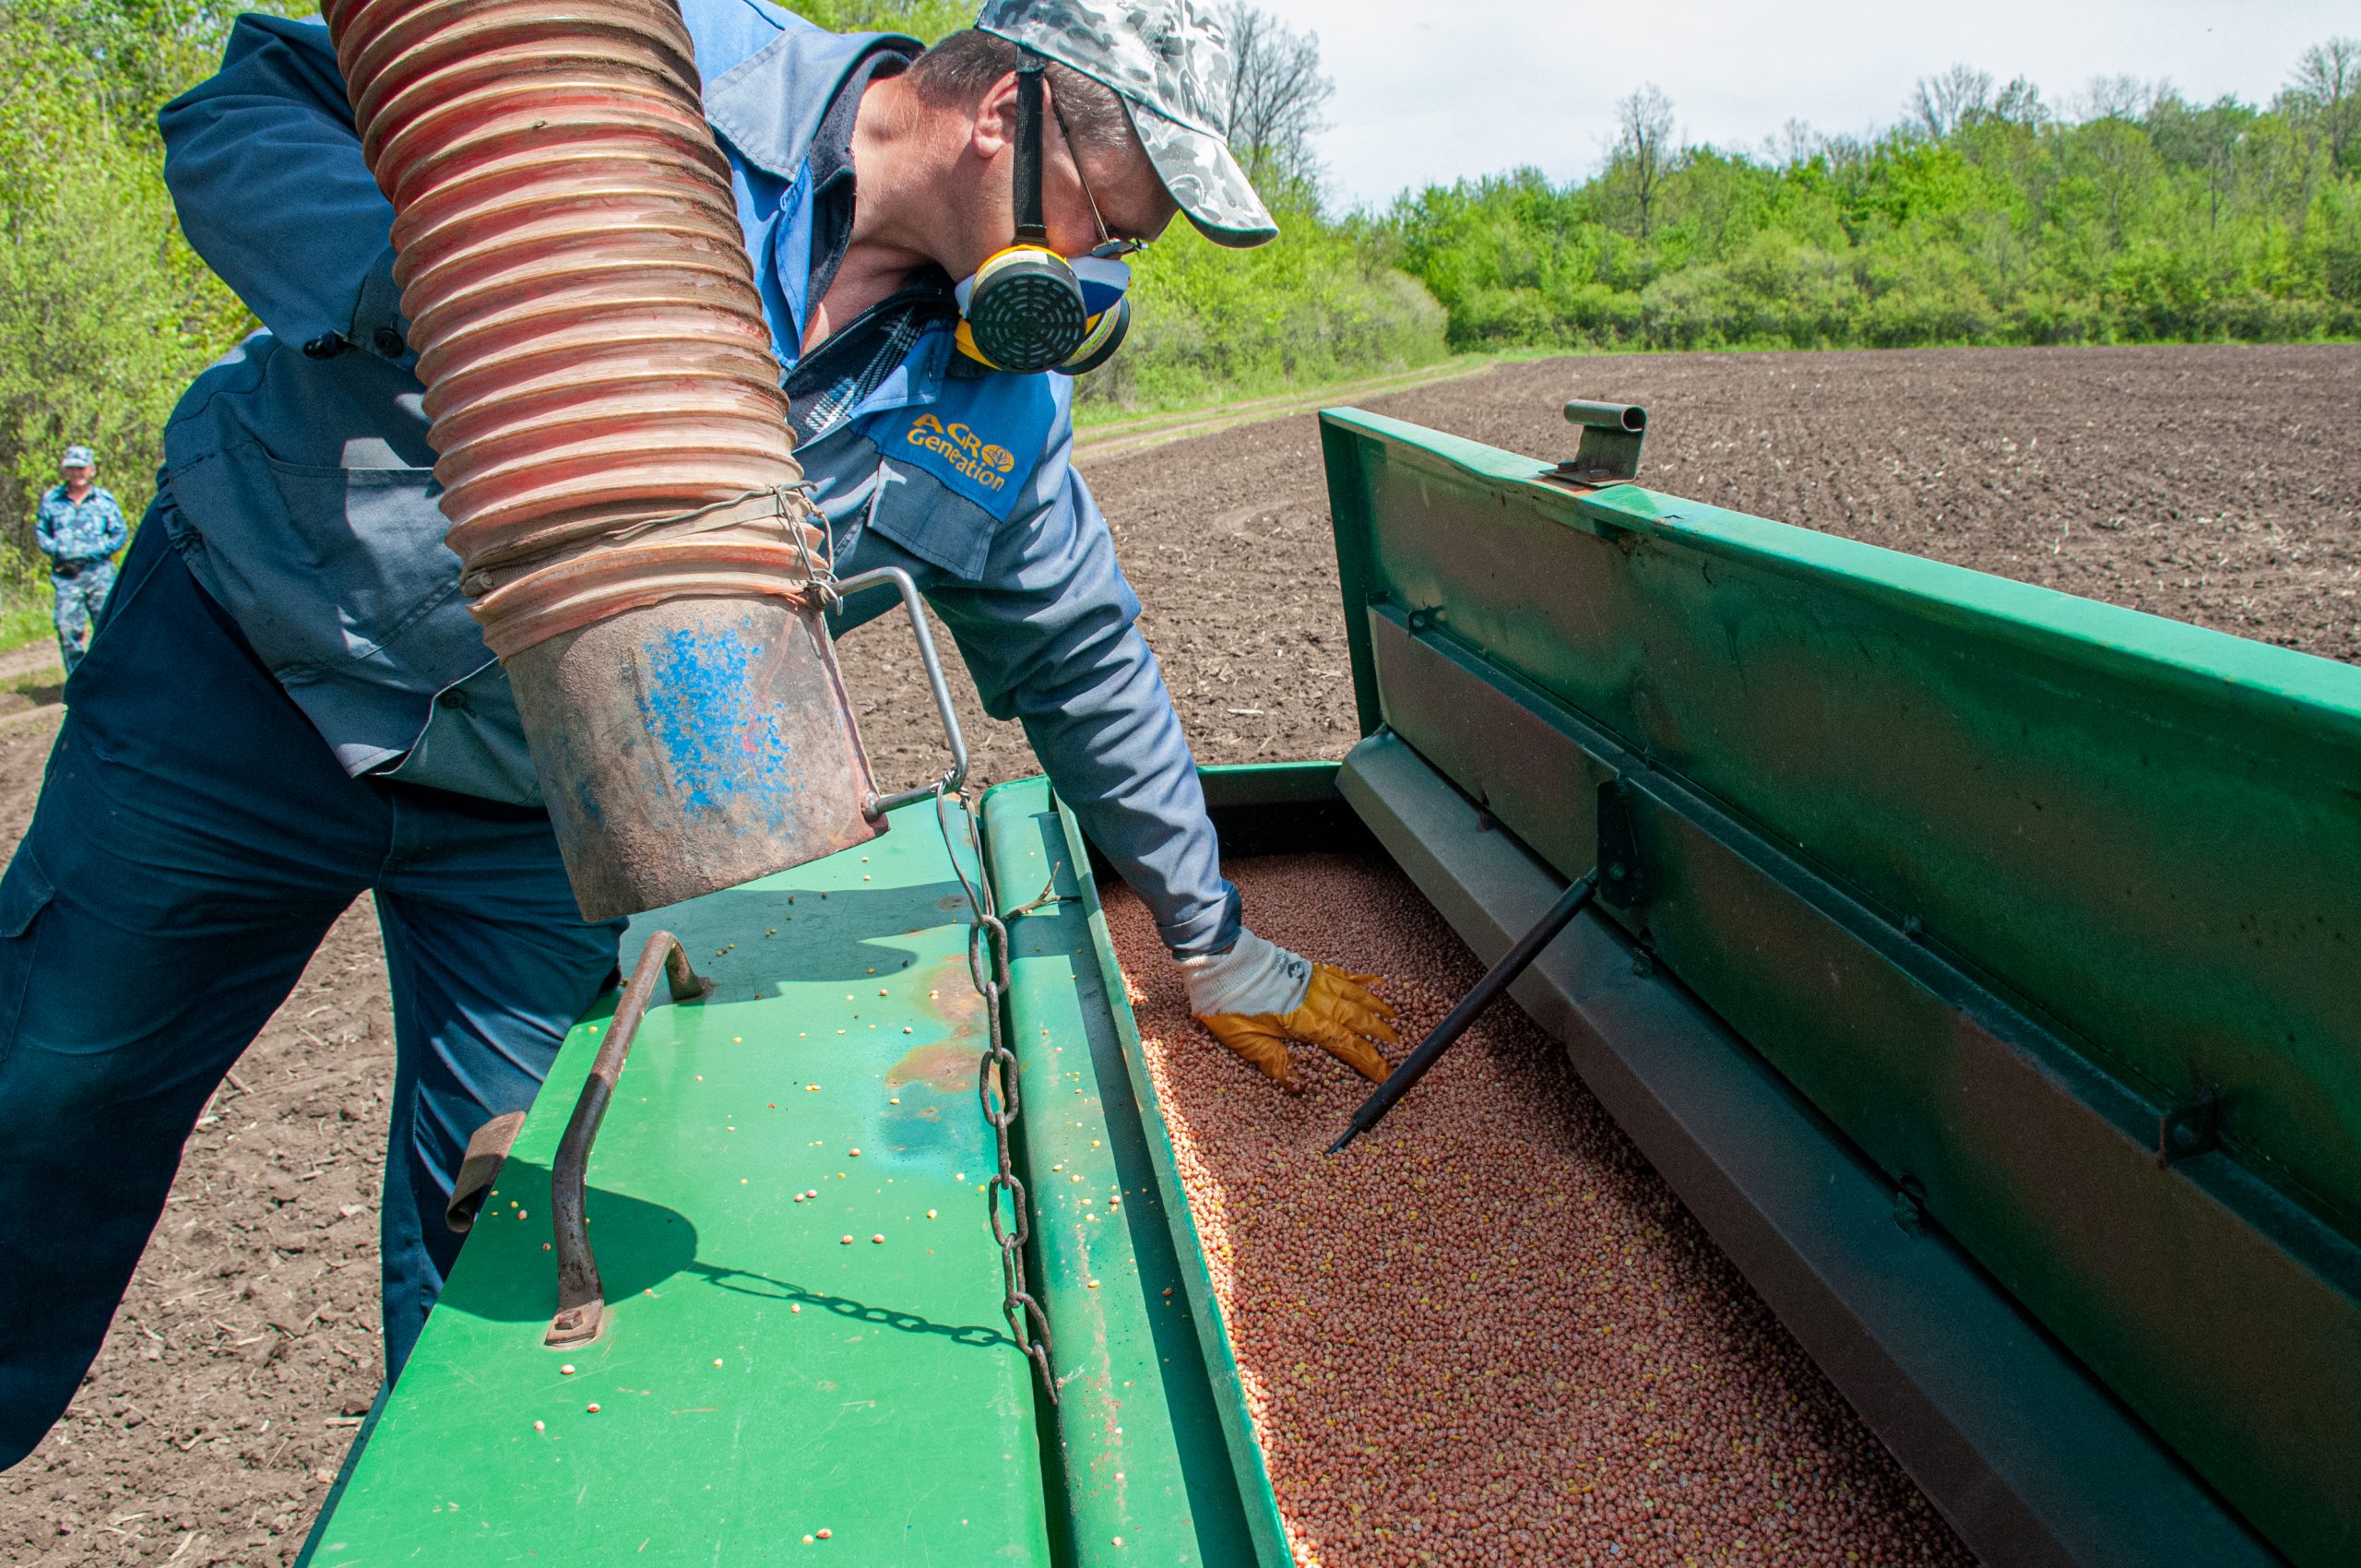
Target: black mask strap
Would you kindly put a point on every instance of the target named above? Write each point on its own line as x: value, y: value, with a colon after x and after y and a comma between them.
x: 1030, y: 229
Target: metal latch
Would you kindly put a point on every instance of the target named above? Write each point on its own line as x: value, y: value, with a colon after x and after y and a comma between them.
x: 1609, y: 453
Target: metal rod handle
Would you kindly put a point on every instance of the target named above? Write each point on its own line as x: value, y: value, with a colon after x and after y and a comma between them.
x: 1496, y: 979
x: 581, y: 1299
x: 915, y: 607
x: 1626, y: 417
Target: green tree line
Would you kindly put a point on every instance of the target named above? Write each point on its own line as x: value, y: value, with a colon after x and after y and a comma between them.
x: 1984, y: 217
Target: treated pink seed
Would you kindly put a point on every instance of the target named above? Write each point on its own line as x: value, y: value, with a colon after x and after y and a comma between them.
x: 1495, y: 1276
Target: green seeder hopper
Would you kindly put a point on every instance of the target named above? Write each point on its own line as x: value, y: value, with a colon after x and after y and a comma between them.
x: 1981, y: 966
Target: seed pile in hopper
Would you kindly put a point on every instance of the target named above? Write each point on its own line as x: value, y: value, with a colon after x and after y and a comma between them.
x: 1488, y: 1333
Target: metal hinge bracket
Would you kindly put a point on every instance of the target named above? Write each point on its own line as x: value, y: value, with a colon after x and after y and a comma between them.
x: 1621, y: 878
x: 1609, y: 453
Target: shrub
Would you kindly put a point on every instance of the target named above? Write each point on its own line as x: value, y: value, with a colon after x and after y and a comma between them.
x: 1311, y: 306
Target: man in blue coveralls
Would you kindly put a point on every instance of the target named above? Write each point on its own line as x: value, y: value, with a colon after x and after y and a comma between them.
x: 290, y: 704
x: 79, y: 527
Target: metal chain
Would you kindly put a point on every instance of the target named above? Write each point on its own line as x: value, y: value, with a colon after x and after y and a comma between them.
x: 996, y: 1091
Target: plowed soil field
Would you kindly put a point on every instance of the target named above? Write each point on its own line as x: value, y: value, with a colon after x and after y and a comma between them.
x: 2217, y: 485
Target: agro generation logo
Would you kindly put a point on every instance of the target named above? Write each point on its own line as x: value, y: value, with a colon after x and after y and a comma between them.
x: 987, y: 465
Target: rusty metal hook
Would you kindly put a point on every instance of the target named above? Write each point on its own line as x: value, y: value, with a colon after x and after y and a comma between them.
x: 581, y: 1299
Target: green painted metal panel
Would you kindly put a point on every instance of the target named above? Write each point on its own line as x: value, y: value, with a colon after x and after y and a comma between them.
x: 2018, y: 1445
x: 1275, y: 808
x: 1258, y: 785
x: 1923, y: 1067
x: 760, y: 1379
x: 2094, y: 806
x: 1254, y: 798
x: 1157, y: 1461
x: 2134, y: 835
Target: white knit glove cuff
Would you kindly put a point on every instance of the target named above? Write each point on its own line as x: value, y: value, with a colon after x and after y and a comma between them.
x: 1253, y: 977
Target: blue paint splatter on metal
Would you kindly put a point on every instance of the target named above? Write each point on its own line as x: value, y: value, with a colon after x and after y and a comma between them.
x: 720, y: 743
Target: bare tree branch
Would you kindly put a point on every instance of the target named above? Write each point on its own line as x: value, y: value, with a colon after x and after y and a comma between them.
x: 2328, y: 78
x: 1795, y: 144
x: 2125, y: 98
x: 1644, y: 153
x: 1276, y: 94
x: 2020, y: 104
x: 1942, y: 105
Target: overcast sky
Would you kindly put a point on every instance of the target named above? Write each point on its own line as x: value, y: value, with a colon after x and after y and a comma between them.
x: 1433, y: 90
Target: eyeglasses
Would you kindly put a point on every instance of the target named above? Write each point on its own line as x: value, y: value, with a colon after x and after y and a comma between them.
x: 1110, y: 247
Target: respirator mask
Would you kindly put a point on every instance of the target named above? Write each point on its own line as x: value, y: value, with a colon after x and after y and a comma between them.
x: 1027, y: 308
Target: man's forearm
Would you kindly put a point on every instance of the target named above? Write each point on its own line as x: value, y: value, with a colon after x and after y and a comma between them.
x: 1116, y: 754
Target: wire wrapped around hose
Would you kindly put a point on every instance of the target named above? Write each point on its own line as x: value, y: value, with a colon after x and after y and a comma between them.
x: 577, y: 287
x: 726, y: 548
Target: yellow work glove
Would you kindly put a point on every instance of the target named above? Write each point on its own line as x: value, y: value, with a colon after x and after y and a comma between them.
x: 1257, y: 997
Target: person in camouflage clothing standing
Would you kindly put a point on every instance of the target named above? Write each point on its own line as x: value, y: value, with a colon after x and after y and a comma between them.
x: 80, y: 528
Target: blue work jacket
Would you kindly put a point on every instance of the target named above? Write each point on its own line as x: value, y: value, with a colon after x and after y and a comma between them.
x: 73, y: 532
x: 300, y: 487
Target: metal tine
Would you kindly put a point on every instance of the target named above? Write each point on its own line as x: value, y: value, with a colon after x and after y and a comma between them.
x: 1519, y: 957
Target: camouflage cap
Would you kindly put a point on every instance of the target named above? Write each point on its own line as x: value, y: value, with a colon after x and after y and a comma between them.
x: 77, y: 457
x: 1169, y: 60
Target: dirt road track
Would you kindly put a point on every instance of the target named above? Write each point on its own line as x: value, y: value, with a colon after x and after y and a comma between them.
x: 2214, y: 484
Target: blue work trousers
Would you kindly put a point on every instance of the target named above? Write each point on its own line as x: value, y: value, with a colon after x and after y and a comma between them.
x: 193, y: 840
x: 79, y: 599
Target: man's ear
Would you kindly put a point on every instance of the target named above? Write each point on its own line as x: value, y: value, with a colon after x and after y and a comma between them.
x: 994, y: 130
